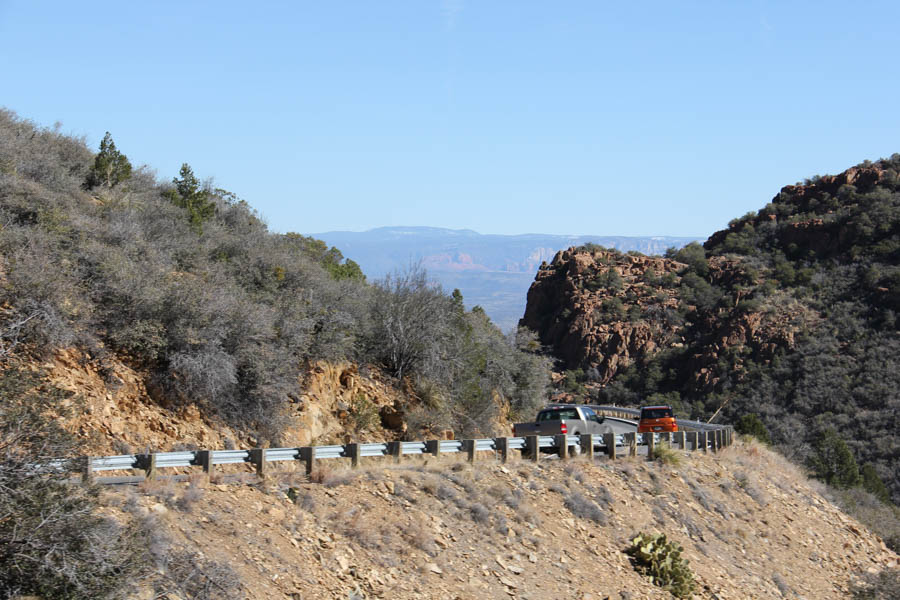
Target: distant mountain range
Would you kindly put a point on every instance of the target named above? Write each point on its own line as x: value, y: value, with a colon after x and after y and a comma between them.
x: 492, y: 271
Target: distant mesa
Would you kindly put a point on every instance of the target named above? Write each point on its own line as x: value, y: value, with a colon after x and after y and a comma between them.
x: 492, y: 271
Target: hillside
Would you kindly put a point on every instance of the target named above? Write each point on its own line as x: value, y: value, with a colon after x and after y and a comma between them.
x: 177, y: 296
x: 139, y: 314
x: 788, y: 314
x: 492, y: 271
x: 750, y: 524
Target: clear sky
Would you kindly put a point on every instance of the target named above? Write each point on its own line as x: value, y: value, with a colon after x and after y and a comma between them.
x: 613, y: 118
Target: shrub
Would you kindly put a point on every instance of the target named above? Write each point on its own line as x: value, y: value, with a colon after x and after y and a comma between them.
x: 52, y: 541
x: 661, y: 561
x: 879, y: 586
x: 833, y: 462
x: 666, y: 455
x: 364, y: 413
x: 584, y: 508
x: 750, y: 424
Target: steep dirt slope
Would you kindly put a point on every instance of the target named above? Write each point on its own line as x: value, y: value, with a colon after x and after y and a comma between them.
x: 123, y: 413
x: 751, y: 526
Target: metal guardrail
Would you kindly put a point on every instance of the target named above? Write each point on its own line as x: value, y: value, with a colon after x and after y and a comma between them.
x: 708, y: 438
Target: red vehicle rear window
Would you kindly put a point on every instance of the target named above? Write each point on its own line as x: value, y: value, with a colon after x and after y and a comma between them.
x: 656, y: 413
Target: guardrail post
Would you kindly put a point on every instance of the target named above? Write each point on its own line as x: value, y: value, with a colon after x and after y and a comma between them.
x: 650, y: 442
x: 703, y: 441
x: 665, y: 437
x: 679, y: 439
x: 258, y: 459
x: 87, y: 470
x: 631, y: 442
x: 204, y: 457
x: 148, y: 463
x: 533, y: 447
x: 308, y: 455
x: 691, y: 440
x: 609, y: 440
x: 562, y: 443
x: 353, y: 451
x: 587, y: 446
x: 433, y: 447
x: 502, y: 445
x: 468, y: 446
x: 395, y: 449
x: 714, y: 442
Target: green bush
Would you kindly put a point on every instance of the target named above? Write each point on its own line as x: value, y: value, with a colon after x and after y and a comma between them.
x: 750, y: 424
x: 660, y: 560
x: 364, y: 413
x: 833, y: 462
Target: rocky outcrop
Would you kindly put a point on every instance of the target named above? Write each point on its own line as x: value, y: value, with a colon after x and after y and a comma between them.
x: 805, y: 216
x: 601, y: 310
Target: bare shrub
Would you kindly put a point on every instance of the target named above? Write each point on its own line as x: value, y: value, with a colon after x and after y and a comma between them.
x: 419, y: 537
x: 53, y: 542
x: 303, y: 499
x: 338, y: 478
x: 190, y: 496
x: 884, y: 585
x: 501, y: 525
x: 513, y: 499
x: 526, y: 513
x: 555, y: 487
x: 479, y: 513
x: 198, y: 578
x: 751, y: 489
x: 583, y: 508
x: 574, y: 472
x: 782, y: 585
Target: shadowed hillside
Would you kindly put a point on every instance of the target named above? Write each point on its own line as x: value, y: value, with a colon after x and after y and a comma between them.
x: 789, y: 314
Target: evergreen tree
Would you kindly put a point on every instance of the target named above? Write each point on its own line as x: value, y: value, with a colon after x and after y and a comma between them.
x: 110, y: 167
x: 833, y: 462
x: 750, y: 424
x: 873, y: 484
x: 190, y: 195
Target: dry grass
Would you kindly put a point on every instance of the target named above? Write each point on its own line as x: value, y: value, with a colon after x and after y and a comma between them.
x: 665, y: 454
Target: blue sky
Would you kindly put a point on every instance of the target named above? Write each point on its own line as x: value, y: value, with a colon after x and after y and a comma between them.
x: 641, y: 118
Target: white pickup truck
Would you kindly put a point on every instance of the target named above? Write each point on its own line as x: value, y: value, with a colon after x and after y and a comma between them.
x: 557, y: 419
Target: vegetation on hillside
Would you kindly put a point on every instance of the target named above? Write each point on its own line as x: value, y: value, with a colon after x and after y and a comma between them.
x: 185, y: 281
x: 815, y: 278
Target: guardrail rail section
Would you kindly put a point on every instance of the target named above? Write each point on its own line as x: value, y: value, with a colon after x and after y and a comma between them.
x: 699, y: 437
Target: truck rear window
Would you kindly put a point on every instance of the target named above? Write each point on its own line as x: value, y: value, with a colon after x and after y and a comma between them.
x: 656, y: 413
x: 556, y: 415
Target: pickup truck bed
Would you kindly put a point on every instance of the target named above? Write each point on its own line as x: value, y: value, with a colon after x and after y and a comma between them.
x: 571, y: 419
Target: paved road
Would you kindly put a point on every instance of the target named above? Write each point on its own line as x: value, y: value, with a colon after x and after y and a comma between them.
x: 620, y: 425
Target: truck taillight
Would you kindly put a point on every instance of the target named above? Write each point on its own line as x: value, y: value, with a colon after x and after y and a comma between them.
x: 563, y: 428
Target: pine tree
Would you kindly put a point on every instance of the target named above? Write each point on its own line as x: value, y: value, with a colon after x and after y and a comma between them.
x: 110, y: 168
x: 190, y: 195
x: 833, y: 462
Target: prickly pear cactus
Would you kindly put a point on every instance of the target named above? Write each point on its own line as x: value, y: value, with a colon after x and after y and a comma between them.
x: 661, y: 561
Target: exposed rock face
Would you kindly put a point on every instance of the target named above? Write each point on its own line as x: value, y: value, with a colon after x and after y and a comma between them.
x: 121, y: 414
x: 579, y: 303
x: 601, y: 310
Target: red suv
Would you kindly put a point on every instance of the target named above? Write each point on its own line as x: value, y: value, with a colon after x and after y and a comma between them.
x: 657, y: 418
